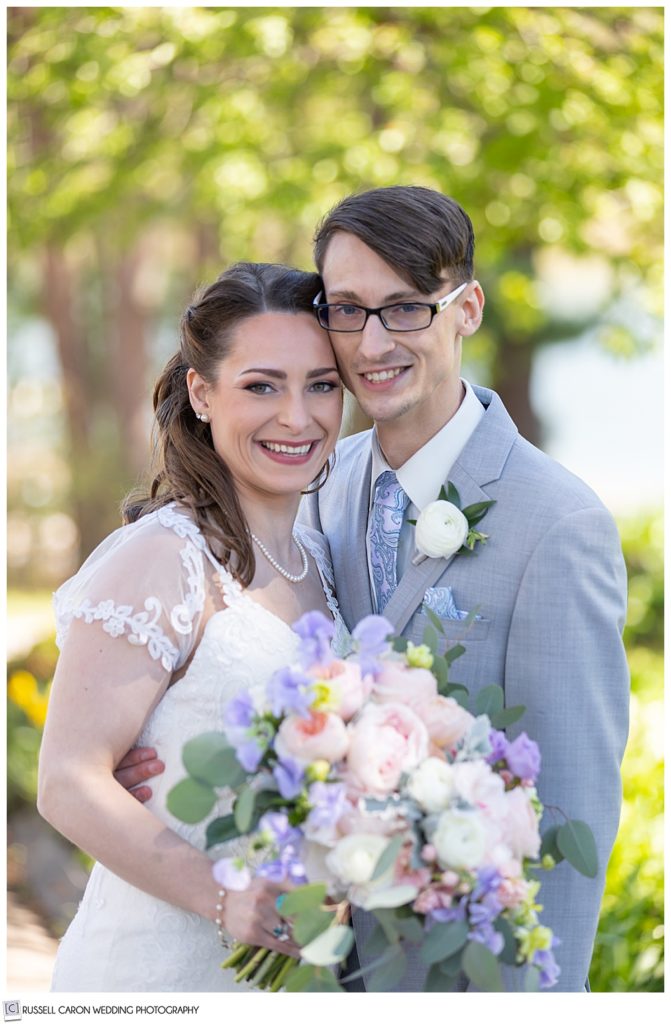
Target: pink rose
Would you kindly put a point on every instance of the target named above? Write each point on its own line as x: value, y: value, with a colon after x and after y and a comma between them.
x: 405, y: 874
x: 347, y: 689
x: 520, y: 824
x: 385, y: 741
x: 445, y: 719
x: 320, y: 736
x: 435, y: 897
x: 512, y: 891
x: 478, y: 785
x: 398, y: 683
x: 355, y: 820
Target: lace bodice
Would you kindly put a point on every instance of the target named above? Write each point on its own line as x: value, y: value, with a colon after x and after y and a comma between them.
x: 145, y: 586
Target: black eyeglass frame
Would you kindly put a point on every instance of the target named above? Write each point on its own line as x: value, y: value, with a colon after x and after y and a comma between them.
x: 434, y: 307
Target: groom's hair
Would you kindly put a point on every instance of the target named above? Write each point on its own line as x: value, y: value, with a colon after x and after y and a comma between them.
x: 187, y: 469
x: 424, y: 235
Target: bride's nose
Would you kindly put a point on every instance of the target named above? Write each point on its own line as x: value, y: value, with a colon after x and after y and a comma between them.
x: 294, y: 414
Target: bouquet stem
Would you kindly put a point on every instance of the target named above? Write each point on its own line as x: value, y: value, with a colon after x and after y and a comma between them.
x: 250, y: 966
x: 240, y: 951
x: 278, y: 981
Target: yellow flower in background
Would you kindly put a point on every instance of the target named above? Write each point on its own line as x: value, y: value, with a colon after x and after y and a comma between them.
x: 538, y: 938
x: 22, y: 690
x: 418, y: 657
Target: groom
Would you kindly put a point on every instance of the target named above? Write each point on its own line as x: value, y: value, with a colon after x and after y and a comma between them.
x: 549, y: 585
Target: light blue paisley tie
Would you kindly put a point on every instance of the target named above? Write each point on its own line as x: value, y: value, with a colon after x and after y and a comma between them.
x: 386, y: 520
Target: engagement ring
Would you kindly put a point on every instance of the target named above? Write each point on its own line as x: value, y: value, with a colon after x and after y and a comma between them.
x: 282, y: 932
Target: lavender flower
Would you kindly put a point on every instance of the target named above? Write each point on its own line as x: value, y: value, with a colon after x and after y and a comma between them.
x: 500, y: 745
x: 249, y: 753
x: 276, y: 824
x: 485, y: 910
x: 487, y: 936
x: 240, y: 712
x: 446, y: 914
x: 289, y: 777
x: 328, y: 803
x: 371, y: 637
x: 289, y: 690
x: 549, y: 968
x: 524, y: 757
x: 231, y: 873
x: 316, y: 632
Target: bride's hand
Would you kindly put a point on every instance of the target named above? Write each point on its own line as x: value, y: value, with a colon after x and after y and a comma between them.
x: 250, y: 916
x: 135, y: 767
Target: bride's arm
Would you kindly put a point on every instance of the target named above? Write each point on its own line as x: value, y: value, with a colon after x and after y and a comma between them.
x: 103, y: 690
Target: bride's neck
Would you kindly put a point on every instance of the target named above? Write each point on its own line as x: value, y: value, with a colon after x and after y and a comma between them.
x: 272, y: 521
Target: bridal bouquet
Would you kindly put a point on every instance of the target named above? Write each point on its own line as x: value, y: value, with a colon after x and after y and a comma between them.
x: 366, y: 782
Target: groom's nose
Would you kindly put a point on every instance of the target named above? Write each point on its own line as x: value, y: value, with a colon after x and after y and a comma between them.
x: 375, y: 340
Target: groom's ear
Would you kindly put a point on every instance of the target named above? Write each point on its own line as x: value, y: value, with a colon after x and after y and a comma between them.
x: 471, y: 310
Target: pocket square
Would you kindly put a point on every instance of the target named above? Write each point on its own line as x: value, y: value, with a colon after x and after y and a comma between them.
x: 441, y: 602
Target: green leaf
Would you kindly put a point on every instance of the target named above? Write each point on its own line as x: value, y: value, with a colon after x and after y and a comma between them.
x: 376, y: 943
x: 330, y: 947
x: 442, y: 941
x: 302, y: 898
x: 532, y: 979
x: 454, y: 652
x: 410, y: 928
x: 453, y: 494
x: 576, y: 842
x: 431, y: 615
x: 413, y: 522
x: 430, y: 638
x: 502, y: 719
x: 438, y: 981
x: 489, y: 701
x: 387, y: 975
x: 452, y: 965
x: 509, y: 951
x: 388, y: 922
x: 221, y: 830
x: 392, y: 896
x: 471, y: 617
x: 243, y: 809
x: 387, y: 857
x: 210, y: 758
x: 298, y: 979
x: 439, y: 669
x: 474, y: 513
x: 310, y: 923
x: 191, y: 800
x: 482, y: 968
x: 323, y: 981
x: 459, y: 693
x: 442, y: 494
x: 549, y: 844
x: 400, y: 644
x: 388, y: 954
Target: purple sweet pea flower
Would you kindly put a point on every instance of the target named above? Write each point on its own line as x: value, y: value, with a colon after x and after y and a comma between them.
x: 277, y: 824
x: 371, y: 638
x: 289, y: 776
x: 524, y: 757
x: 328, y: 801
x: 289, y: 690
x: 240, y: 712
x: 485, y: 910
x: 488, y: 881
x: 286, y: 866
x: 487, y: 936
x: 249, y: 753
x: 447, y: 914
x: 231, y: 873
x: 549, y: 968
x: 500, y: 746
x: 316, y: 632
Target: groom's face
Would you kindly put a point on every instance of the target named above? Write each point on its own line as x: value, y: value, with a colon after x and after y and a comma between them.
x: 409, y: 377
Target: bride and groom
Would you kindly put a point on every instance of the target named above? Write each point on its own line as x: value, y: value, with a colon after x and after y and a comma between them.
x: 213, y: 565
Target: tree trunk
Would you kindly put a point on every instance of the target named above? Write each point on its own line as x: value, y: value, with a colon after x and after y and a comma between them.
x: 128, y: 364
x: 512, y: 380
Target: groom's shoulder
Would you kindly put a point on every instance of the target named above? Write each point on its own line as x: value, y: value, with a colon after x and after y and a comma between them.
x: 542, y: 481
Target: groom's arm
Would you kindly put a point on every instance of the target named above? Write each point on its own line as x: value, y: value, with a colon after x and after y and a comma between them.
x: 566, y: 663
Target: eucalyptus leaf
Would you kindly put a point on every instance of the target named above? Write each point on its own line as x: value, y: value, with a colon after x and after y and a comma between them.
x: 549, y: 844
x: 210, y: 758
x: 576, y: 842
x: 489, y: 701
x: 243, y: 809
x: 388, y: 922
x: 435, y: 620
x: 221, y: 830
x: 459, y: 693
x: 388, y: 954
x: 438, y: 981
x: 430, y: 638
x: 387, y: 857
x: 323, y: 980
x: 509, y: 952
x: 376, y: 943
x: 330, y: 947
x: 394, y: 896
x: 310, y: 923
x: 452, y: 653
x: 502, y: 719
x: 482, y: 968
x: 443, y: 940
x: 191, y: 800
x: 439, y: 669
x: 386, y: 976
x: 410, y: 928
x: 302, y: 898
x: 298, y: 979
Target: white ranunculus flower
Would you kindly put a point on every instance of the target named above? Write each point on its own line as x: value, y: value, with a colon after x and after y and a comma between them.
x: 441, y: 530
x: 431, y: 784
x: 460, y: 839
x: 354, y: 857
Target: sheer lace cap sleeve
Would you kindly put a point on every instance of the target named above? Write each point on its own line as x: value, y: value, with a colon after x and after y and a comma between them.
x: 144, y: 583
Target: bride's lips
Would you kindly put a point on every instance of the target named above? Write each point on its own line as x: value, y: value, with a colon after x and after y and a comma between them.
x: 382, y: 379
x: 296, y: 453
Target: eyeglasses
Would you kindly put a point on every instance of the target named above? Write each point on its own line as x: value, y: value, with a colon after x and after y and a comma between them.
x: 346, y: 318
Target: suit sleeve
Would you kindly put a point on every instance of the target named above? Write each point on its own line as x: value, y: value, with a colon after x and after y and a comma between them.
x: 566, y: 663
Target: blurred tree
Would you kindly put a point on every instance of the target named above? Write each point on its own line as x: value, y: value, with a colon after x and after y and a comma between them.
x: 147, y: 146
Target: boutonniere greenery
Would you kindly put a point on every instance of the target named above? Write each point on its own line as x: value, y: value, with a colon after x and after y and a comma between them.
x: 444, y: 528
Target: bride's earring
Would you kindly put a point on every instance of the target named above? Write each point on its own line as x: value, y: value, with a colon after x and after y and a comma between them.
x: 203, y: 417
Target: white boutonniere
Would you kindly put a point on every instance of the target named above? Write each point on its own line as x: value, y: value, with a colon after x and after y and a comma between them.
x: 444, y: 528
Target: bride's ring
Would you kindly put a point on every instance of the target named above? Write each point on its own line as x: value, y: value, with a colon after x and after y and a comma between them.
x: 282, y: 932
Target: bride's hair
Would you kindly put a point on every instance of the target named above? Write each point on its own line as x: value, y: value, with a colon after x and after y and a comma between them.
x: 186, y: 468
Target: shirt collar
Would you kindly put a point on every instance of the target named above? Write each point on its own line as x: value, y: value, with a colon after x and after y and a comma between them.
x: 425, y: 472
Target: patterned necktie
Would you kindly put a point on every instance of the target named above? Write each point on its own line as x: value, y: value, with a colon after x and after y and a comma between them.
x: 386, y: 520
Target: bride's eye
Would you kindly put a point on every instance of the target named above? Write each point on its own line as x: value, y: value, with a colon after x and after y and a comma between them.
x: 324, y: 387
x: 260, y: 388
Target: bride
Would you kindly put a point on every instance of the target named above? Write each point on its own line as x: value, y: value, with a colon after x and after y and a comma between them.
x: 186, y: 604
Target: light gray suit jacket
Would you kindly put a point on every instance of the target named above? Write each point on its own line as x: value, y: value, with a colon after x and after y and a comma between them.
x: 550, y: 584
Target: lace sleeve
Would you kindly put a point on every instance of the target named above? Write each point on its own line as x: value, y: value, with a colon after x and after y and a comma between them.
x: 145, y: 582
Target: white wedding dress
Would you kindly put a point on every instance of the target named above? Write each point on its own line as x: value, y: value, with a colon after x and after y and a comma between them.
x: 145, y: 585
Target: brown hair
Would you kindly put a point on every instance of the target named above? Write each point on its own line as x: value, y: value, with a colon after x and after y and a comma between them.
x: 187, y: 469
x: 423, y: 234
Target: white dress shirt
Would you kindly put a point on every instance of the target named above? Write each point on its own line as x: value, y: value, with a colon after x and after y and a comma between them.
x: 425, y: 472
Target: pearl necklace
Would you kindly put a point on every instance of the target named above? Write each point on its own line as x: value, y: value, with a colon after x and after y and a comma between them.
x: 276, y: 565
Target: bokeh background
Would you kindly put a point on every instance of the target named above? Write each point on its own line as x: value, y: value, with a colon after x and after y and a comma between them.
x: 150, y: 147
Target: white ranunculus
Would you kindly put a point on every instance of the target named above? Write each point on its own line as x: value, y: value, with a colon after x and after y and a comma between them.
x: 441, y: 530
x: 354, y: 857
x: 431, y: 784
x: 460, y: 839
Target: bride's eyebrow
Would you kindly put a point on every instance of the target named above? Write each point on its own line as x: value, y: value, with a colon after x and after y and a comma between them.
x: 281, y: 375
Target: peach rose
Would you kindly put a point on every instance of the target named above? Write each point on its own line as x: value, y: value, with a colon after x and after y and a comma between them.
x: 411, y: 686
x: 520, y: 824
x: 342, y: 687
x: 445, y: 719
x: 385, y: 741
x: 320, y: 736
